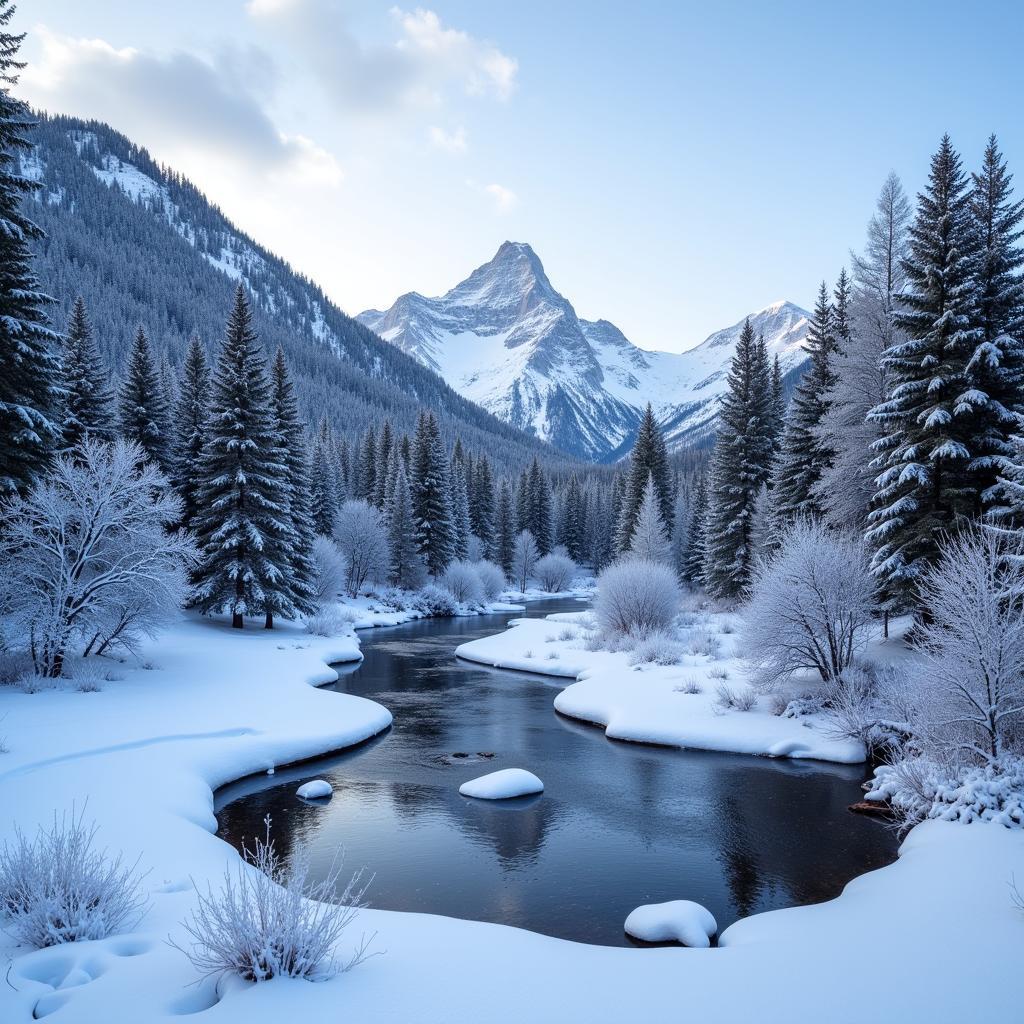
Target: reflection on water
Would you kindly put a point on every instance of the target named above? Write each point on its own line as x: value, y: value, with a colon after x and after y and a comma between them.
x: 618, y: 824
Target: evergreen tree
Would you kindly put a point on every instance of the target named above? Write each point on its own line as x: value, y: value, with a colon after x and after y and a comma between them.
x: 385, y: 450
x: 923, y: 488
x: 523, y: 502
x: 191, y: 423
x: 299, y: 528
x: 650, y: 540
x: 482, y: 512
x: 803, y: 457
x: 460, y: 508
x: 407, y: 568
x: 86, y: 400
x: 505, y: 528
x: 432, y: 496
x: 243, y: 496
x: 680, y: 532
x: 541, y: 508
x: 144, y: 413
x: 693, y: 566
x: 324, y: 489
x: 29, y: 369
x: 842, y: 323
x: 778, y: 407
x: 995, y: 368
x: 366, y: 481
x: 572, y: 528
x: 739, y: 466
x: 649, y: 458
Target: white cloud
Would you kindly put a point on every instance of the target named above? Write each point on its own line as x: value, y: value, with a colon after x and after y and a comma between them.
x: 451, y: 142
x: 177, y: 103
x: 504, y: 198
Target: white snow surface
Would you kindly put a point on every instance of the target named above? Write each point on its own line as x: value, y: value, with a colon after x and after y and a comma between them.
x: 220, y: 704
x: 676, y: 921
x: 648, y: 703
x: 316, y: 789
x: 503, y: 785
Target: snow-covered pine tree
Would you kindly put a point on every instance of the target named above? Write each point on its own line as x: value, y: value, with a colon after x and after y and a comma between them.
x: 169, y: 384
x: 572, y: 525
x: 29, y: 381
x: 739, y: 466
x: 432, y: 496
x: 680, y: 530
x: 778, y: 419
x: 996, y: 366
x: 143, y: 406
x: 86, y: 397
x: 923, y: 485
x: 841, y: 315
x: 693, y: 566
x: 482, y: 510
x: 802, y: 457
x: 324, y: 488
x: 460, y: 508
x: 366, y: 477
x: 649, y: 458
x: 290, y: 441
x: 847, y: 486
x: 541, y: 521
x: 523, y: 502
x: 505, y: 528
x: 407, y: 568
x: 243, y: 496
x: 385, y: 449
x: 191, y: 423
x: 650, y: 539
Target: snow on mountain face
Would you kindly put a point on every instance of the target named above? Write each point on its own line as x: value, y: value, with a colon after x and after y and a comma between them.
x: 507, y: 340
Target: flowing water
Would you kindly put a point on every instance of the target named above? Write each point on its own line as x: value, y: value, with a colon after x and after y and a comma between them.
x: 618, y: 824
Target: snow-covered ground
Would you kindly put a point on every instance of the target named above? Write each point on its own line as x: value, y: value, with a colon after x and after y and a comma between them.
x: 673, y: 705
x: 933, y: 937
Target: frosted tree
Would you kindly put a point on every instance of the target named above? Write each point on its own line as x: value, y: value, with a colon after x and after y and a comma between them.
x: 407, y: 568
x: 739, y: 466
x: 847, y: 486
x: 923, y: 487
x: 385, y: 452
x: 29, y: 428
x: 366, y: 479
x: 86, y: 398
x: 540, y: 508
x: 298, y: 528
x: 460, y: 508
x: 681, y: 531
x: 524, y: 558
x: 505, y: 528
x: 143, y: 403
x: 191, y: 422
x: 778, y: 405
x: 693, y: 565
x: 648, y: 460
x: 88, y: 551
x: 363, y: 541
x: 803, y: 458
x: 324, y: 489
x: 572, y: 519
x: 650, y: 541
x: 482, y: 509
x: 243, y: 496
x: 431, y: 496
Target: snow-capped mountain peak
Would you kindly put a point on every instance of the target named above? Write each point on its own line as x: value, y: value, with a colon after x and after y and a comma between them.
x: 506, y: 339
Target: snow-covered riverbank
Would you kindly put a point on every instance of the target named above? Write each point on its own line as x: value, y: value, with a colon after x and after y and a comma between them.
x: 148, y: 751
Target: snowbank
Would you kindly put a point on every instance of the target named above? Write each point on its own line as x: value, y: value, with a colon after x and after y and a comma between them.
x: 653, y: 704
x: 317, y: 789
x: 676, y: 921
x: 503, y: 785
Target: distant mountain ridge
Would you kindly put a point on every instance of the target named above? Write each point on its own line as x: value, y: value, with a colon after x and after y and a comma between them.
x: 505, y: 338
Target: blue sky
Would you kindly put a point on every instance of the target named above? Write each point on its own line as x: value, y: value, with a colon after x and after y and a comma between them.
x: 674, y: 165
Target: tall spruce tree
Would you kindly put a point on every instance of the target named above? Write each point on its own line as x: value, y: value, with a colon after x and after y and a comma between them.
x: 649, y: 458
x: 460, y: 508
x: 385, y: 451
x: 739, y: 466
x: 482, y: 510
x: 650, y: 538
x: 572, y: 529
x: 290, y: 442
x: 803, y: 456
x: 243, y: 498
x: 29, y: 367
x: 86, y: 397
x: 923, y: 486
x: 191, y: 423
x: 541, y: 516
x: 143, y: 403
x: 505, y: 528
x: 432, y: 496
x: 324, y: 488
x: 407, y: 567
x: 693, y: 565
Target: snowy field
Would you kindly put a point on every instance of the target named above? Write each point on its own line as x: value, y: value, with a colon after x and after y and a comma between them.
x: 935, y: 933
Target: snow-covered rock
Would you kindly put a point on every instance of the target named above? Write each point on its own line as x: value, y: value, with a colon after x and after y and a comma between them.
x: 314, y: 790
x: 676, y: 921
x: 503, y: 785
x: 506, y: 339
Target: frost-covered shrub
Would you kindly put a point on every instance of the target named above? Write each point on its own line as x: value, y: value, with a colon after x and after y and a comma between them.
x: 702, y: 642
x: 568, y: 633
x: 555, y: 573
x: 862, y: 706
x: 58, y: 888
x: 636, y: 597
x: 433, y: 600
x: 462, y: 581
x: 524, y: 558
x: 810, y: 606
x: 690, y: 686
x: 476, y: 550
x: 742, y: 699
x: 492, y: 579
x: 718, y: 673
x: 269, y: 921
x: 918, y: 788
x: 658, y: 647
x: 363, y: 542
x: 803, y: 707
x: 777, y: 704
x: 87, y: 675
x: 328, y: 571
x: 330, y: 620
x: 14, y: 666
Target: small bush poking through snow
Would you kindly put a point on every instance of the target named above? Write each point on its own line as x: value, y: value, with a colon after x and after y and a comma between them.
x: 269, y: 921
x: 330, y: 620
x: 704, y: 642
x: 636, y: 597
x: 726, y: 698
x: 492, y: 579
x: 659, y: 648
x: 555, y: 572
x: 57, y: 888
x: 718, y: 673
x: 14, y: 666
x: 777, y: 704
x: 461, y: 580
x: 433, y: 600
x: 690, y: 686
x: 568, y: 634
x: 329, y: 575
x: 87, y: 675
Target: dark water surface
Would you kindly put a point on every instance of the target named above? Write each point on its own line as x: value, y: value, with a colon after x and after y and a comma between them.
x: 618, y: 824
